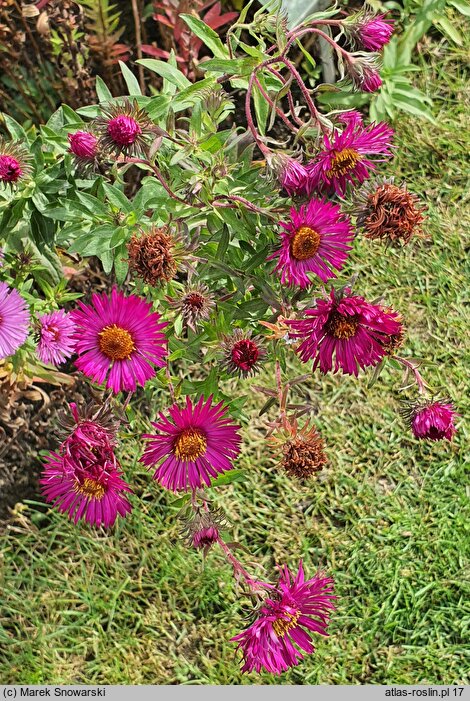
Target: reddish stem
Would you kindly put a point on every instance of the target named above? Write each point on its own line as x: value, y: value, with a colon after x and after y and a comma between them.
x: 409, y: 365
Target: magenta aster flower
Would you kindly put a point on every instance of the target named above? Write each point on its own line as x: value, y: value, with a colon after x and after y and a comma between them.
x: 84, y: 479
x: 55, y: 337
x: 375, y: 32
x: 285, y: 621
x: 124, y: 128
x: 243, y: 353
x: 291, y: 174
x: 118, y: 337
x: 353, y: 331
x: 198, y: 443
x: 432, y: 419
x: 14, y: 320
x: 344, y: 156
x: 370, y: 81
x: 83, y: 145
x: 14, y: 162
x: 350, y: 117
x: 316, y: 240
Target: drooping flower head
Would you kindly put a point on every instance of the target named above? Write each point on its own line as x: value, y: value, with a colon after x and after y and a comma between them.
x: 55, y: 337
x: 290, y: 173
x: 317, y: 240
x: 84, y: 479
x: 124, y: 128
x: 14, y: 320
x: 194, y: 304
x: 347, y: 329
x: 197, y: 443
x: 14, y: 162
x: 302, y: 450
x: 202, y: 529
x: 368, y: 30
x: 389, y: 212
x: 83, y: 145
x: 364, y: 71
x: 281, y: 633
x: 431, y: 419
x: 118, y: 339
x: 154, y: 255
x: 344, y: 158
x: 243, y: 353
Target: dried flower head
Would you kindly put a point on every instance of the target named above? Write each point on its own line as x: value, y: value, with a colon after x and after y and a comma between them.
x: 194, y: 304
x: 124, y: 128
x: 389, y: 212
x: 302, y: 450
x: 14, y: 162
x: 242, y: 353
x: 154, y: 255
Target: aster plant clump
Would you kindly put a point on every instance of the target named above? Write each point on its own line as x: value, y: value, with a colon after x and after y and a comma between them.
x: 221, y: 255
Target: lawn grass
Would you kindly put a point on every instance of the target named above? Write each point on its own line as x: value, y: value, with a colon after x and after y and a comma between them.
x: 388, y: 518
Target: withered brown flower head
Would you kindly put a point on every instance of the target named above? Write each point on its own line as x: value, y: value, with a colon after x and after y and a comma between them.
x: 302, y: 451
x: 153, y: 256
x: 388, y: 211
x: 194, y: 304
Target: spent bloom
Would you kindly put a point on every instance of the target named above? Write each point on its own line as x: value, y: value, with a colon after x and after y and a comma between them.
x: 195, y: 304
x: 363, y: 70
x: 124, y: 128
x: 14, y: 162
x: 301, y: 450
x: 14, y: 320
x: 84, y: 479
x: 154, y: 255
x: 281, y: 633
x: 389, y: 212
x: 119, y: 339
x: 317, y: 239
x: 432, y: 419
x: 346, y: 328
x: 243, y: 353
x: 196, y: 443
x: 202, y: 529
x: 83, y: 145
x: 55, y: 343
x: 344, y: 157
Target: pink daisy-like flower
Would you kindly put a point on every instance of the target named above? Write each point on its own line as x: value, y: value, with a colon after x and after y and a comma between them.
x: 198, y: 443
x: 316, y: 240
x: 123, y: 130
x: 83, y: 145
x: 55, y: 337
x: 295, y: 608
x: 243, y: 353
x: 375, y: 32
x: 344, y: 156
x: 432, y: 420
x: 14, y: 320
x: 120, y: 339
x: 84, y: 478
x: 353, y: 331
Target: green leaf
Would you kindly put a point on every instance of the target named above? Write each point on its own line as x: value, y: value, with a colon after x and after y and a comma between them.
x: 229, y: 477
x: 16, y: 130
x: 223, y: 243
x: 449, y: 29
x: 131, y: 81
x: 117, y: 198
x: 261, y: 105
x: 239, y: 66
x: 102, y: 90
x: 206, y: 35
x: 167, y: 71
x: 462, y: 6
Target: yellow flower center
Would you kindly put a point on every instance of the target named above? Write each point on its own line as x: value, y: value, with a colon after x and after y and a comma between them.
x: 190, y: 444
x: 341, y: 326
x: 91, y: 489
x: 343, y: 161
x: 116, y: 343
x: 305, y: 243
x: 281, y: 626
